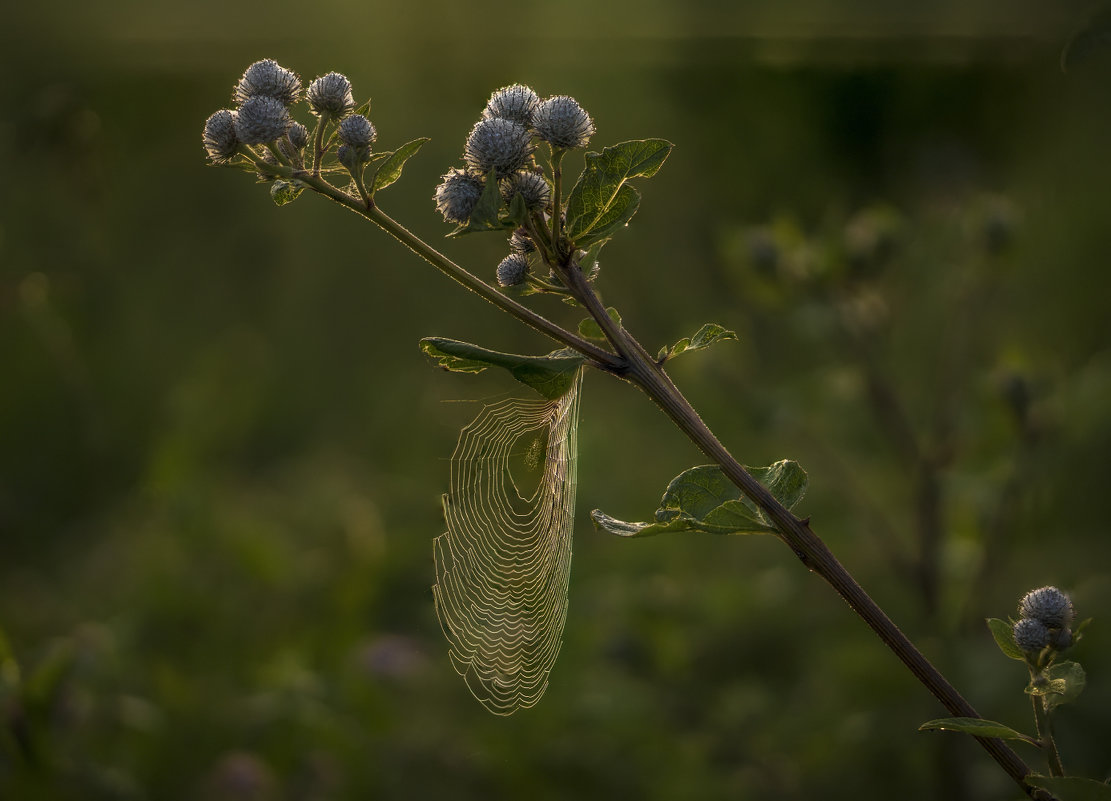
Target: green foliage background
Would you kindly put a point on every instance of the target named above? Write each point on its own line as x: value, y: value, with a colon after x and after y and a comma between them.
x: 221, y: 452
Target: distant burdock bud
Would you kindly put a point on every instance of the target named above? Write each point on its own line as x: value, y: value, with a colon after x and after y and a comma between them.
x: 521, y: 242
x: 457, y: 195
x: 268, y: 78
x: 532, y: 188
x: 562, y: 122
x: 330, y: 96
x: 1048, y: 605
x: 357, y: 131
x: 1031, y: 635
x: 220, y: 141
x: 298, y: 136
x: 261, y: 119
x: 497, y: 144
x: 512, y: 270
x: 516, y: 103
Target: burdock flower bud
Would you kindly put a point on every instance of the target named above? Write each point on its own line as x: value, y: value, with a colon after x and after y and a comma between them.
x: 1031, y: 635
x: 521, y: 242
x: 498, y: 144
x: 298, y: 136
x: 357, y: 131
x: 268, y: 78
x: 261, y: 119
x: 562, y: 122
x: 517, y: 103
x: 457, y: 195
x: 330, y: 96
x: 532, y: 188
x: 219, y: 136
x: 512, y: 270
x: 1048, y: 605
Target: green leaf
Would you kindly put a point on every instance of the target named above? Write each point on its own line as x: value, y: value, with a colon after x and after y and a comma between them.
x: 707, y: 335
x: 1004, y: 635
x: 1067, y: 680
x: 1071, y: 788
x: 283, y: 192
x: 600, y: 203
x: 391, y: 168
x: 702, y: 499
x: 978, y: 727
x: 552, y: 375
x: 590, y: 329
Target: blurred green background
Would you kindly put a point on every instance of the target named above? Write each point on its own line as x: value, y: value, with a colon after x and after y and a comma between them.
x: 221, y: 453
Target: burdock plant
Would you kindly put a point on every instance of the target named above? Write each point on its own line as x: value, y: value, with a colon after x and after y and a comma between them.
x: 503, y: 565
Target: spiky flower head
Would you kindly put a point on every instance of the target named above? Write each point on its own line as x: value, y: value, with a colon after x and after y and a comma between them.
x: 532, y: 188
x: 521, y: 242
x: 219, y: 136
x: 516, y: 102
x: 1031, y: 635
x: 268, y: 78
x: 497, y: 144
x: 1047, y: 605
x: 512, y: 270
x: 330, y: 96
x: 562, y: 122
x: 298, y: 135
x: 357, y: 131
x: 457, y: 195
x: 261, y: 119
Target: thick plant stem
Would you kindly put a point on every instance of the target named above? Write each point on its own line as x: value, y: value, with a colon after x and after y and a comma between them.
x: 1045, y: 734
x: 807, y: 546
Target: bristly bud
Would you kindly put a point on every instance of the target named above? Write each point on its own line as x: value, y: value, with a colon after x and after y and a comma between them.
x: 1031, y: 635
x: 1049, y: 606
x: 521, y: 242
x: 562, y: 122
x: 457, y: 195
x: 298, y: 136
x: 330, y: 96
x: 1062, y: 640
x: 516, y: 102
x: 497, y: 144
x: 357, y: 131
x: 532, y: 188
x: 220, y: 141
x: 268, y: 78
x: 261, y: 119
x: 512, y: 270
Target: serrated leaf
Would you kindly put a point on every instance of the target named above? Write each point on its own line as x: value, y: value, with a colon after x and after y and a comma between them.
x: 978, y: 727
x: 1071, y: 788
x: 590, y: 329
x: 552, y: 375
x: 703, y: 499
x: 284, y: 192
x: 1003, y: 633
x: 1067, y: 680
x: 707, y: 335
x: 391, y: 168
x: 598, y: 204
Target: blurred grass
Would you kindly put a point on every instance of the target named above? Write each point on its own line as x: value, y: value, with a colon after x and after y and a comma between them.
x: 221, y: 453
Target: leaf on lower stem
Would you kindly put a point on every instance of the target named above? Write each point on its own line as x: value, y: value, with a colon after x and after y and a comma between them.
x: 1071, y: 788
x: 702, y: 499
x: 707, y: 335
x: 1067, y: 680
x: 978, y: 727
x: 552, y: 375
x: 590, y: 329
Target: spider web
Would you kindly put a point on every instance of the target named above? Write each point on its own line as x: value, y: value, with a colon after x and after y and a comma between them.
x: 503, y: 566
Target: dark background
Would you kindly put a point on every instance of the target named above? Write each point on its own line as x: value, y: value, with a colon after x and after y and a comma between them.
x: 221, y: 453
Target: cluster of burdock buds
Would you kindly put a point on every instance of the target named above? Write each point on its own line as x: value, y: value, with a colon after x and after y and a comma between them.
x: 1045, y: 621
x: 500, y: 147
x: 261, y: 127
